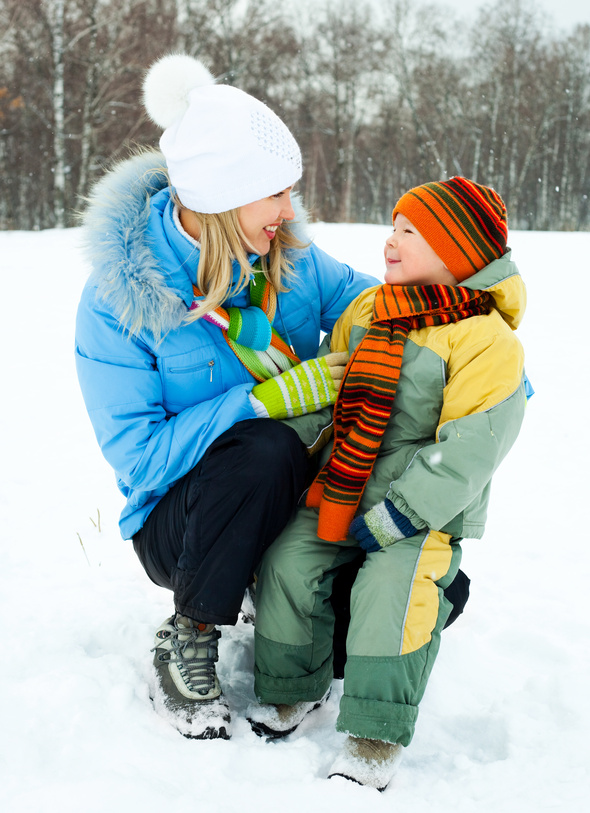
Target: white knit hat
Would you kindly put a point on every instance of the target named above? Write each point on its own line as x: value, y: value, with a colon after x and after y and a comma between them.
x: 223, y: 148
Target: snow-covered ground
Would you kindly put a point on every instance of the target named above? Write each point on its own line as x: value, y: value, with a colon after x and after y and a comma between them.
x: 505, y: 722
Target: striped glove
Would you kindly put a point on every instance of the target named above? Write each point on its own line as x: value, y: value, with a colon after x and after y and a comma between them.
x: 308, y: 387
x: 381, y: 526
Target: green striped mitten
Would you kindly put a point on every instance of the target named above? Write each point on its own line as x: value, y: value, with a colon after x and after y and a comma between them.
x: 308, y: 387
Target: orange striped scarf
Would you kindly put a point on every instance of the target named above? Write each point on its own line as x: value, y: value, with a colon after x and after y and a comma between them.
x: 368, y: 390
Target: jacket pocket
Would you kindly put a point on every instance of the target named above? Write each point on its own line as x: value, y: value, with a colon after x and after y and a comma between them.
x: 189, y: 379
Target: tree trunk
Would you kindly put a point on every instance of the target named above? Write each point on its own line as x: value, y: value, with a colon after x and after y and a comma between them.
x: 57, y: 18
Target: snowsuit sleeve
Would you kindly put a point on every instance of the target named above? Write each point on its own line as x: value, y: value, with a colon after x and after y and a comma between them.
x: 483, y: 408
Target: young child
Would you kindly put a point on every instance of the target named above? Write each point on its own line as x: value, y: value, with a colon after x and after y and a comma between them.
x: 416, y: 442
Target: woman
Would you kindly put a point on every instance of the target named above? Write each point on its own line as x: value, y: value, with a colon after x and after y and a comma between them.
x: 196, y: 334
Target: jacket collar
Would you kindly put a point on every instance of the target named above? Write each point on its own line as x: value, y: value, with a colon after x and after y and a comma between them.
x: 502, y: 280
x: 143, y: 265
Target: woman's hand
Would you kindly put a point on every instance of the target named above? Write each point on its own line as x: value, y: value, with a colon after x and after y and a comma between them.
x: 337, y: 365
x: 308, y: 387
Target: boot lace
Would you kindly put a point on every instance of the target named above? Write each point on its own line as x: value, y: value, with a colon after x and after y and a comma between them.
x: 195, y: 654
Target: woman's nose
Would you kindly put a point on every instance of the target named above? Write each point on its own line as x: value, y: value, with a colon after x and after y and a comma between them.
x: 287, y: 212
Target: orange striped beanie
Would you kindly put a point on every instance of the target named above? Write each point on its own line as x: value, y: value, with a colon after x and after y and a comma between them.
x: 462, y: 221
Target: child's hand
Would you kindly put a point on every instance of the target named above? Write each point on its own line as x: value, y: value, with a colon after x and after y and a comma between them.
x: 381, y: 526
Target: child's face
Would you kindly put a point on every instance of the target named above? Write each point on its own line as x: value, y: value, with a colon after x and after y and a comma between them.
x: 409, y: 260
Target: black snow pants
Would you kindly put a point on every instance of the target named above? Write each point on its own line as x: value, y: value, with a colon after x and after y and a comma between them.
x: 206, y: 536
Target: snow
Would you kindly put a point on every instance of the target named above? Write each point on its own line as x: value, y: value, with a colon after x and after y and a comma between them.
x: 505, y: 720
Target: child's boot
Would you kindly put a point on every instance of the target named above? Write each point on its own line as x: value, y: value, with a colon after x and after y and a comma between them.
x: 274, y: 721
x: 368, y: 762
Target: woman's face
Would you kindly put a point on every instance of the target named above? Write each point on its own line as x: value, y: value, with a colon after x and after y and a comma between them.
x: 260, y: 220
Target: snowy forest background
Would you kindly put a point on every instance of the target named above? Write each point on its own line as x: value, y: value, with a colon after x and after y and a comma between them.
x: 381, y: 96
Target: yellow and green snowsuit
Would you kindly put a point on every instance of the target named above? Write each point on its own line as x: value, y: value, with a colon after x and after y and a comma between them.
x: 458, y: 409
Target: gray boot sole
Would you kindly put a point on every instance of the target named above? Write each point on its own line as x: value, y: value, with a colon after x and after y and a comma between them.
x: 195, y: 720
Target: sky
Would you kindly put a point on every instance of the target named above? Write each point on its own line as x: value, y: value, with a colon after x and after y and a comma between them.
x: 564, y: 13
x: 503, y: 727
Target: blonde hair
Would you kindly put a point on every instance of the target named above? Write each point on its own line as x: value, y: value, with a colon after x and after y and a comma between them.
x: 223, y: 240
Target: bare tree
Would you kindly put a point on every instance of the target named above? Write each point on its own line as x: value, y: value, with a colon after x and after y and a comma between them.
x: 342, y: 58
x: 380, y: 98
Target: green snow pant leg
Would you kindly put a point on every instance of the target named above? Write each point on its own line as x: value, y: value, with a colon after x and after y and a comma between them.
x: 294, y: 618
x: 398, y: 611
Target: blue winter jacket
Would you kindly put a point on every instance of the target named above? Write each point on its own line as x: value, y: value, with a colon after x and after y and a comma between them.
x: 160, y: 391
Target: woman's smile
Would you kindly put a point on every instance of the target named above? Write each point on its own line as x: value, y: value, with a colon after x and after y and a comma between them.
x: 261, y: 219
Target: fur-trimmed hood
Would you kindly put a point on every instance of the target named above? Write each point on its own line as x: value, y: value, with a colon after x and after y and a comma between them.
x: 127, y: 265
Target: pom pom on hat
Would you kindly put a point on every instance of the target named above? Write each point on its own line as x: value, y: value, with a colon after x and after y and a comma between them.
x: 223, y: 148
x: 167, y: 85
x: 462, y: 221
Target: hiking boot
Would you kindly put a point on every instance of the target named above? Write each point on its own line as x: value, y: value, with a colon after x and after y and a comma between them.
x: 274, y: 721
x: 187, y: 691
x: 248, y: 608
x: 368, y: 762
